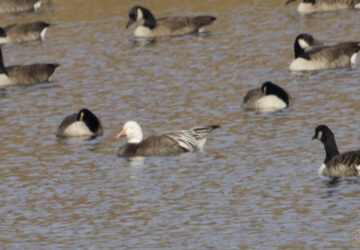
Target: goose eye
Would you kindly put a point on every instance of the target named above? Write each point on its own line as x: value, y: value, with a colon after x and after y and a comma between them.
x: 132, y: 16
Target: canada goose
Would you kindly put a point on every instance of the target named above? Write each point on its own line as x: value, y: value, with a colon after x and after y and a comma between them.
x: 322, y: 57
x: 17, y: 33
x: 12, y: 6
x: 172, y: 143
x: 25, y: 74
x: 336, y: 164
x: 82, y: 124
x: 268, y: 97
x: 311, y: 6
x: 166, y: 26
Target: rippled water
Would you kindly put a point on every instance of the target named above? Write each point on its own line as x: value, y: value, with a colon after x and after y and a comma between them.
x: 256, y: 184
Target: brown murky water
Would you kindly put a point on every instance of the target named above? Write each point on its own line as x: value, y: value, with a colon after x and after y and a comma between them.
x: 256, y: 184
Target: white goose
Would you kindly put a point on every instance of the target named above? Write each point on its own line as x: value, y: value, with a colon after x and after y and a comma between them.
x: 172, y: 143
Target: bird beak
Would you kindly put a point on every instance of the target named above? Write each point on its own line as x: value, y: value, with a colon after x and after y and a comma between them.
x: 129, y: 23
x: 122, y: 133
x: 289, y: 1
x: 314, y: 137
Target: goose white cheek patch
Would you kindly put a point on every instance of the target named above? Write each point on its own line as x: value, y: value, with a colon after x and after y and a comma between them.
x: 139, y: 15
x: 303, y: 44
x: 37, y: 5
x: 355, y: 59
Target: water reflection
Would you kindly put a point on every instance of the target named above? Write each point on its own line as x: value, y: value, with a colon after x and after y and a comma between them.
x: 142, y: 42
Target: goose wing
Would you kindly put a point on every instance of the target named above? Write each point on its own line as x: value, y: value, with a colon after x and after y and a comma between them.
x: 10, y: 6
x: 332, y: 53
x: 65, y: 123
x: 193, y: 139
x: 182, y: 23
x: 30, y: 74
x: 351, y: 3
x: 251, y: 96
x: 346, y: 164
x: 152, y: 145
x: 25, y: 28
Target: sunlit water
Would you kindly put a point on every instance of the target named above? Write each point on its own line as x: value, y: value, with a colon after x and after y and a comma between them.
x: 256, y: 183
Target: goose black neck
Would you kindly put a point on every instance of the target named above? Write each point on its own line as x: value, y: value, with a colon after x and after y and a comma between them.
x: 330, y: 146
x: 2, y: 67
x: 90, y: 120
x: 309, y: 1
x: 149, y: 20
x: 297, y: 49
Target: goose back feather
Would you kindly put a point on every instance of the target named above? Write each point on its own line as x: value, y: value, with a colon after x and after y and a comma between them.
x: 311, y: 6
x: 16, y: 33
x: 31, y: 74
x: 25, y: 74
x: 12, y: 6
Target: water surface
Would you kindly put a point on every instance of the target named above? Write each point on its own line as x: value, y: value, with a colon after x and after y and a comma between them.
x: 256, y: 183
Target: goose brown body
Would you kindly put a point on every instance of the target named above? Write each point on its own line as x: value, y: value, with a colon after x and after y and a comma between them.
x: 166, y: 26
x: 17, y: 33
x: 12, y: 6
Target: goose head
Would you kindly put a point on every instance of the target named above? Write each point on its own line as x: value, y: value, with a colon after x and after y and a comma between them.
x: 89, y: 119
x: 132, y: 131
x: 323, y: 133
x: 303, y: 42
x: 269, y: 88
x: 138, y: 13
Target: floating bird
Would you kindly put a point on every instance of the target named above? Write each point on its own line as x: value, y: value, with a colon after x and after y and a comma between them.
x: 17, y: 33
x: 268, y: 97
x: 311, y: 6
x: 173, y: 143
x: 12, y: 6
x: 82, y: 124
x: 336, y: 164
x: 25, y: 74
x: 166, y: 26
x: 310, y: 56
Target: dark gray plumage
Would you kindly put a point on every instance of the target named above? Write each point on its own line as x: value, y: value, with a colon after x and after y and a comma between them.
x: 336, y: 164
x: 25, y: 74
x: 323, y: 57
x: 152, y: 145
x: 311, y: 6
x: 166, y: 26
x: 12, y: 6
x: 16, y: 33
x: 82, y: 124
x: 172, y: 143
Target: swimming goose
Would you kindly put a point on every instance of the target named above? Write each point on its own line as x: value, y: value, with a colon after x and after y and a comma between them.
x: 25, y: 74
x: 268, y: 97
x: 322, y: 57
x: 336, y: 164
x: 311, y: 6
x: 172, y: 143
x: 166, y: 26
x: 17, y: 33
x: 82, y: 124
x: 12, y: 6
